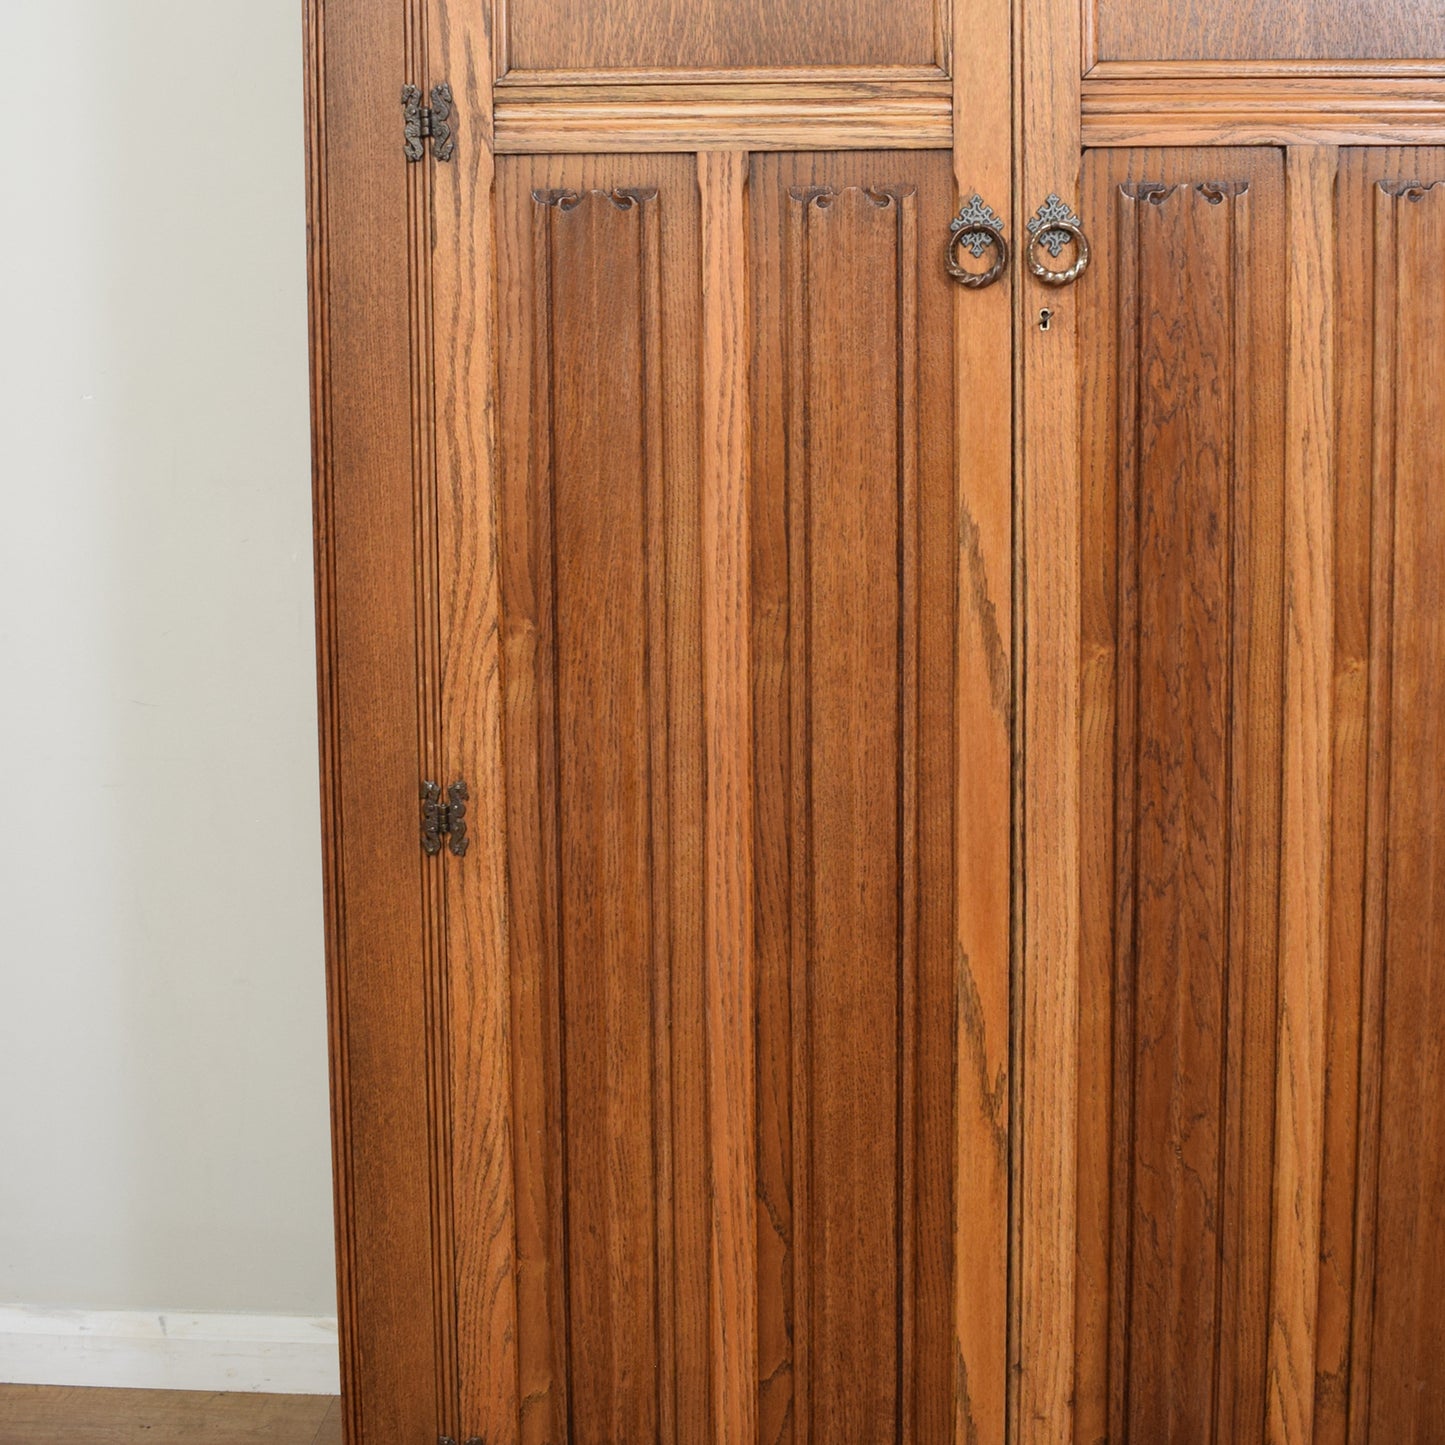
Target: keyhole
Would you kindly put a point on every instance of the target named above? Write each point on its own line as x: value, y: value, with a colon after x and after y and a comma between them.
x: 1045, y: 316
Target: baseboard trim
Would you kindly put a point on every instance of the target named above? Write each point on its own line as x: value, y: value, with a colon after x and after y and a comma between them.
x: 132, y: 1349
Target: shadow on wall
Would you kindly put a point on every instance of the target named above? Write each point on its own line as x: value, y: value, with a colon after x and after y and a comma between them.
x: 163, y: 1116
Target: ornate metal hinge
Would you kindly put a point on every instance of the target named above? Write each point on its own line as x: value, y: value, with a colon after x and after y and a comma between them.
x: 450, y: 1440
x: 444, y: 820
x: 428, y: 123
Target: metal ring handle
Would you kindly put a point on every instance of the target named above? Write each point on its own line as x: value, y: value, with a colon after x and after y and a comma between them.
x: 978, y: 237
x: 1081, y: 262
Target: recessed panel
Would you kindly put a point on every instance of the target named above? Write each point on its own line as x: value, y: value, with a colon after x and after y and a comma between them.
x: 853, y: 538
x: 1382, y: 1270
x: 1183, y: 632
x: 1270, y: 30
x: 721, y: 34
x: 597, y: 260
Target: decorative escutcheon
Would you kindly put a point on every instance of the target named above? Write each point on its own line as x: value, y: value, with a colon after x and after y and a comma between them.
x: 1052, y: 227
x: 976, y: 228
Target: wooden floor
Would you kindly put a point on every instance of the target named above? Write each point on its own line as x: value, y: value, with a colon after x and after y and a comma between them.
x: 58, y: 1415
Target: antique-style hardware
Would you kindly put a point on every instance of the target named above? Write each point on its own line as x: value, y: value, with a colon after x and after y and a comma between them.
x: 1045, y: 318
x: 1051, y: 228
x: 976, y: 227
x: 444, y: 820
x: 451, y: 1440
x: 433, y: 122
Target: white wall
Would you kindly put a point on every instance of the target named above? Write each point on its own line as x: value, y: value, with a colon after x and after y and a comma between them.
x: 163, y: 1116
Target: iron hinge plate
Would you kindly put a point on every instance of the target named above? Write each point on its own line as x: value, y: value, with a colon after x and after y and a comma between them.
x: 422, y: 123
x: 444, y: 819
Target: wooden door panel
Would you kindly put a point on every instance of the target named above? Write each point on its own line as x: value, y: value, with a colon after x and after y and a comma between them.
x: 853, y: 622
x: 1407, y: 1395
x: 1182, y: 562
x: 583, y: 35
x: 597, y: 260
x: 1321, y: 30
x: 1382, y: 1325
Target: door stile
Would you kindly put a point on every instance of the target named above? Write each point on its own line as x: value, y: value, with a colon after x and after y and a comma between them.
x: 1304, y: 905
x: 729, y: 960
x: 1047, y: 117
x: 376, y: 660
x: 984, y: 713
x: 478, y: 1027
x: 427, y: 577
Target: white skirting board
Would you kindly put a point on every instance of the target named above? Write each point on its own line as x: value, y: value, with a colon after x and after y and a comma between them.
x: 126, y: 1349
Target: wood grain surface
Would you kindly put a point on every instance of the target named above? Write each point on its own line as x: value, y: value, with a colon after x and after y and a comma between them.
x: 567, y: 35
x: 1407, y: 1383
x: 803, y: 114
x: 1355, y: 619
x: 599, y: 554
x: 475, y: 1015
x: 1380, y: 1319
x: 1048, y: 46
x: 1304, y: 938
x: 369, y: 400
x: 985, y: 708
x: 1268, y: 29
x: 853, y: 604
x: 1182, y: 706
x: 1174, y: 104
x: 65, y: 1415
x: 730, y: 959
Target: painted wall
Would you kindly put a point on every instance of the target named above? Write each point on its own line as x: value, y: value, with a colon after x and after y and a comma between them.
x: 163, y: 1115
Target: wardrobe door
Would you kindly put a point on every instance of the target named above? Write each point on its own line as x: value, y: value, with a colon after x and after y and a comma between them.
x: 724, y: 639
x: 665, y: 531
x: 1228, y: 1089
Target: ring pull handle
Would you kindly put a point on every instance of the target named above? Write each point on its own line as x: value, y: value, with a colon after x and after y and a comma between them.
x: 976, y: 229
x: 1052, y: 227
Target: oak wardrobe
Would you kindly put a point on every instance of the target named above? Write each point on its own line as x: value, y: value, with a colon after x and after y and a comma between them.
x: 881, y: 589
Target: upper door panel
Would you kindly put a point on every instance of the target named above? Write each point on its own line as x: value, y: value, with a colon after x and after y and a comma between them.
x: 691, y: 35
x: 1289, y: 30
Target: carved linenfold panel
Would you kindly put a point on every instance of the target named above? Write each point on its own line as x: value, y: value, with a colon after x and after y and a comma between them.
x: 854, y: 662
x: 1177, y: 535
x: 1407, y: 1388
x: 598, y: 505
x: 1182, y: 706
x: 853, y: 617
x: 596, y: 296
x: 1382, y: 1288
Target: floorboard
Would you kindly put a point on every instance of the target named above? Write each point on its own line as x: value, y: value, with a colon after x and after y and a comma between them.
x: 63, y: 1415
